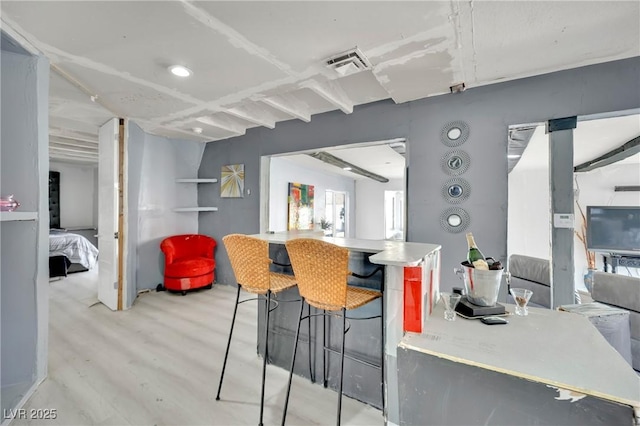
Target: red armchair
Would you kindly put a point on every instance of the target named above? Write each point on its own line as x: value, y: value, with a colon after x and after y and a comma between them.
x: 188, y: 262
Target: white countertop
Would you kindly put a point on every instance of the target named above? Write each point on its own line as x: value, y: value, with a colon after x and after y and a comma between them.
x: 557, y: 348
x: 395, y: 253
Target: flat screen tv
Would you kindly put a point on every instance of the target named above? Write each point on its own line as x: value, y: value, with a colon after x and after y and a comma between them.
x: 613, y: 229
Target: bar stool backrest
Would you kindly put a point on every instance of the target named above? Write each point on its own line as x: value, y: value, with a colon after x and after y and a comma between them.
x: 321, y: 270
x: 249, y: 257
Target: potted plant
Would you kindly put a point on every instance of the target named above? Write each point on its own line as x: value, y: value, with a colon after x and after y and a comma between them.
x: 325, y: 225
x: 591, y: 256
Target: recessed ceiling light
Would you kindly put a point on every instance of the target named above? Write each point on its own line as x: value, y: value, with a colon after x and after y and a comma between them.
x: 180, y: 71
x: 197, y: 130
x: 513, y: 156
x: 346, y: 168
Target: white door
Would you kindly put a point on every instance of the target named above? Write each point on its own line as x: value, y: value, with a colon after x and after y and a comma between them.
x: 108, y: 214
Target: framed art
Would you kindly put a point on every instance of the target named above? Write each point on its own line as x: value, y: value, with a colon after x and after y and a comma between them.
x: 300, y: 202
x: 232, y: 182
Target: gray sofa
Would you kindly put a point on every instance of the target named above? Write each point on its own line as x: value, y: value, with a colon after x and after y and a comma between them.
x: 533, y: 274
x: 623, y: 292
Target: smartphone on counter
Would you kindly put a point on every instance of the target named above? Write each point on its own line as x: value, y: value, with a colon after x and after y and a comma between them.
x: 494, y: 320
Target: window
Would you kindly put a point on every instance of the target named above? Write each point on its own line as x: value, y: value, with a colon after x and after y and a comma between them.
x: 335, y: 213
x: 394, y: 215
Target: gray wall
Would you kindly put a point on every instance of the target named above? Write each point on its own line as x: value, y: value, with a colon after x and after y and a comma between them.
x: 24, y: 244
x: 370, y: 207
x: 488, y: 110
x: 154, y: 164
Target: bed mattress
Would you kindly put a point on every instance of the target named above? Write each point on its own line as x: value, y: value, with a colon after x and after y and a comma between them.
x: 75, y: 247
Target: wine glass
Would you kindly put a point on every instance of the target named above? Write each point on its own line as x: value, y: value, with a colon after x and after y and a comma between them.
x: 450, y: 301
x: 521, y: 296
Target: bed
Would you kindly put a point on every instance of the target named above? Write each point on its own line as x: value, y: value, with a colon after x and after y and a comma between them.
x: 69, y: 253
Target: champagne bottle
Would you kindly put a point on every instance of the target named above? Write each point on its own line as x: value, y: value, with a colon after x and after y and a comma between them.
x: 475, y: 256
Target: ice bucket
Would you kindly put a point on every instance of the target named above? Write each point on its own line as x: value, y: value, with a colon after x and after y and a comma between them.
x: 481, y: 286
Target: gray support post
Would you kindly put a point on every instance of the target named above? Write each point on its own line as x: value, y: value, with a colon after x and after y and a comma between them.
x: 561, y: 187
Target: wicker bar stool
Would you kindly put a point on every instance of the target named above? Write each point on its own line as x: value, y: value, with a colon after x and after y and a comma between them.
x: 250, y: 262
x: 321, y: 270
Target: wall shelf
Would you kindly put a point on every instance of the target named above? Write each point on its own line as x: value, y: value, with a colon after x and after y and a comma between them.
x: 212, y: 180
x: 16, y: 216
x: 196, y: 209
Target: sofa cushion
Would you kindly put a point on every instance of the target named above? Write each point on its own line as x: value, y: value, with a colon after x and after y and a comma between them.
x: 189, y: 267
x: 635, y: 354
x: 634, y: 323
x: 618, y: 290
x: 530, y: 269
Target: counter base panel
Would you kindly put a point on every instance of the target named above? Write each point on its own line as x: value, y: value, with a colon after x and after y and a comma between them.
x: 361, y: 382
x: 437, y: 391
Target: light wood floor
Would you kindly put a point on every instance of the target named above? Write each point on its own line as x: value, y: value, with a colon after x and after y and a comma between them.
x: 159, y: 364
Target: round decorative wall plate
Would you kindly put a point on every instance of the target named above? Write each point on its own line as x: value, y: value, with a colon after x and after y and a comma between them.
x: 455, y: 220
x: 455, y: 133
x: 455, y: 163
x: 456, y: 190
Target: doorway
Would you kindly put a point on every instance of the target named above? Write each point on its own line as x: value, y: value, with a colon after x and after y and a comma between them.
x: 349, y: 183
x: 529, y: 216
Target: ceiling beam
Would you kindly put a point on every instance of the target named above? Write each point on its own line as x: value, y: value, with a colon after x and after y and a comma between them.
x: 290, y: 105
x: 254, y: 117
x: 331, y: 92
x: 85, y: 127
x: 73, y: 160
x: 627, y: 150
x: 225, y: 124
x: 173, y: 130
x: 345, y: 165
x: 64, y: 133
x: 72, y: 142
x: 70, y: 147
x: 57, y: 156
x: 70, y: 151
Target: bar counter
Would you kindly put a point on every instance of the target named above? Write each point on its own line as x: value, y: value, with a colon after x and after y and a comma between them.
x: 549, y: 367
x: 361, y: 381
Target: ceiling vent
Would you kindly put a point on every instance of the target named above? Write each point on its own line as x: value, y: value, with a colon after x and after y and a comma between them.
x: 349, y: 62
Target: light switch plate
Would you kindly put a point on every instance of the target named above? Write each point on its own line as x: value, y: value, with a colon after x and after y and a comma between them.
x: 563, y: 220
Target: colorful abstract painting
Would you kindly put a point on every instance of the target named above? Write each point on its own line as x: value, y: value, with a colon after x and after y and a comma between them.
x: 300, y: 206
x: 232, y: 185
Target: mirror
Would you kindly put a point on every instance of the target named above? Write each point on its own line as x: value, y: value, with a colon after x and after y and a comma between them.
x: 455, y: 191
x: 455, y: 133
x: 455, y: 163
x: 454, y: 220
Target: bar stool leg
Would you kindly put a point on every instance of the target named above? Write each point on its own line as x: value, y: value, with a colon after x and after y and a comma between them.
x: 383, y: 358
x: 226, y: 354
x: 344, y: 320
x: 293, y: 361
x: 312, y: 374
x: 266, y: 354
x: 324, y: 348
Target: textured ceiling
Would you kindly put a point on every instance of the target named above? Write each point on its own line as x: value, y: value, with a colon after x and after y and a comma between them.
x: 259, y: 63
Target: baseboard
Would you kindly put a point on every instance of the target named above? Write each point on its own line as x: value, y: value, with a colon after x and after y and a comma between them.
x: 24, y: 400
